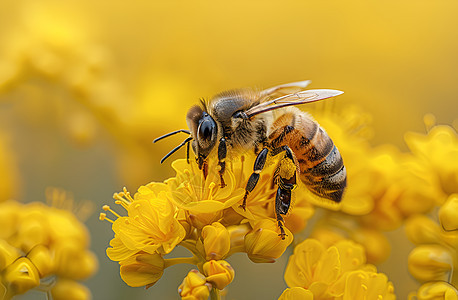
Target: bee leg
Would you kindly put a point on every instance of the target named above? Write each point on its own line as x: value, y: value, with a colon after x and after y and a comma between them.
x: 222, y: 152
x: 283, y: 200
x: 253, y: 180
x: 187, y: 152
x: 288, y: 154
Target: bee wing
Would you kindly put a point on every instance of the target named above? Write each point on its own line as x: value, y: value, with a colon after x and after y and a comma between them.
x: 292, y: 99
x: 284, y: 89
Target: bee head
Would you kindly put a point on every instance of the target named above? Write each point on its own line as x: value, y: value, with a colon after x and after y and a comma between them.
x: 204, y: 132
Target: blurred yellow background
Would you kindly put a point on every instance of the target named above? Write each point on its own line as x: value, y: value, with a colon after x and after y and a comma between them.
x: 86, y: 86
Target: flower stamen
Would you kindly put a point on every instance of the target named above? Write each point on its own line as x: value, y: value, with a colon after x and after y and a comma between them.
x: 107, y: 208
x: 103, y: 217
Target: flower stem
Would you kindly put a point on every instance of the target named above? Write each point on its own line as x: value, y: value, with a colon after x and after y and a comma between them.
x: 214, y: 294
x: 191, y: 246
x: 236, y: 249
x: 181, y: 260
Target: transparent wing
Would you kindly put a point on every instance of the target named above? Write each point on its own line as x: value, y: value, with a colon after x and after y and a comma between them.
x: 285, y: 89
x: 292, y: 99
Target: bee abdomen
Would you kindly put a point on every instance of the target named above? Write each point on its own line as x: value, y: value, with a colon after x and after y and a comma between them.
x: 328, y: 178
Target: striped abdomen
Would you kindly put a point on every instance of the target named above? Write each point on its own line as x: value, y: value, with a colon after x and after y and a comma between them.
x: 321, y: 165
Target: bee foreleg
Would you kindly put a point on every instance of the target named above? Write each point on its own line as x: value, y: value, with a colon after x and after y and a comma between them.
x: 253, y: 180
x: 222, y: 152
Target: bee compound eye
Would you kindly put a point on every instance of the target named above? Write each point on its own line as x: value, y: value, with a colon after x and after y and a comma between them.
x: 206, y: 133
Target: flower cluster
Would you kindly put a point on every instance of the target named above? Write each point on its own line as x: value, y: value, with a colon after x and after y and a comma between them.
x: 43, y: 247
x: 338, y: 272
x: 195, y: 212
x: 433, y: 261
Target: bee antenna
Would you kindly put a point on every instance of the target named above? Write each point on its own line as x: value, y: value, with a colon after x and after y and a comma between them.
x: 171, y: 133
x: 187, y: 140
x: 203, y: 102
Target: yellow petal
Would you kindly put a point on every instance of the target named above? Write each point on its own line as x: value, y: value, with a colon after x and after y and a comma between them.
x: 296, y: 293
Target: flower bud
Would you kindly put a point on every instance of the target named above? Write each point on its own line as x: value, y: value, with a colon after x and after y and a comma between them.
x: 430, y: 263
x: 199, y: 220
x: 437, y: 290
x: 69, y: 289
x: 74, y: 262
x: 41, y: 258
x: 194, y: 287
x: 422, y: 230
x: 219, y: 273
x: 142, y: 269
x: 263, y: 243
x: 216, y: 241
x: 21, y: 276
x: 448, y: 213
x: 377, y: 246
x: 7, y: 254
x: 296, y: 293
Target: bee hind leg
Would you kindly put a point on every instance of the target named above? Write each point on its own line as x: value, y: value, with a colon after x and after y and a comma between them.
x: 253, y: 180
x: 283, y: 197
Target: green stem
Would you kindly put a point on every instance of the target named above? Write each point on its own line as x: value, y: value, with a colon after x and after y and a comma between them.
x: 181, y: 260
x: 214, y: 294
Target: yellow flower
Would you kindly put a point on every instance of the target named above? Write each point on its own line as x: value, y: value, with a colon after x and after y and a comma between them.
x: 194, y: 287
x: 21, y: 276
x: 73, y: 261
x: 439, y: 150
x: 52, y: 242
x: 335, y: 272
x: 377, y: 246
x: 150, y: 225
x: 448, y: 213
x: 361, y: 285
x: 436, y: 290
x: 41, y: 257
x: 264, y: 244
x: 142, y: 269
x: 219, y: 273
x: 70, y: 289
x: 296, y: 293
x: 189, y: 190
x: 216, y: 241
x: 422, y: 230
x: 8, y: 254
x: 430, y: 262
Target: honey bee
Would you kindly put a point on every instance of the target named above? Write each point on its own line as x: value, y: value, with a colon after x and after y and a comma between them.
x: 267, y: 123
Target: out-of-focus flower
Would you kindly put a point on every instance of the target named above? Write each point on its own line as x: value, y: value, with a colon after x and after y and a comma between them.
x: 362, y: 285
x: 296, y: 293
x: 337, y: 272
x: 33, y: 249
x: 219, y: 273
x: 21, y: 276
x: 216, y: 241
x: 430, y: 262
x: 264, y: 243
x: 435, y: 256
x: 448, y: 213
x: 9, y: 182
x: 65, y: 289
x: 439, y: 152
x: 194, y: 287
x: 437, y: 290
